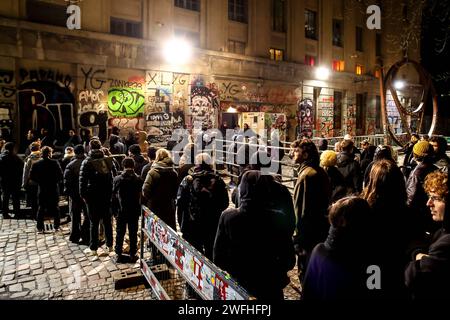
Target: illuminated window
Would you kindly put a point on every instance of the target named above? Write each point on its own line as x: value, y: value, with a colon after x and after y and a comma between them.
x: 359, y: 69
x: 338, y: 65
x: 276, y: 54
x: 377, y: 73
x: 310, y: 60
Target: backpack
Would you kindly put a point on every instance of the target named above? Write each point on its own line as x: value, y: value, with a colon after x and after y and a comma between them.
x: 202, y: 189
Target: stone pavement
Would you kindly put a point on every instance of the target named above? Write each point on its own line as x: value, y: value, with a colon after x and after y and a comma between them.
x: 48, y: 266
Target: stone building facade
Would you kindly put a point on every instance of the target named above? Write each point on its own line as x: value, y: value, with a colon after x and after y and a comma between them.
x: 254, y: 62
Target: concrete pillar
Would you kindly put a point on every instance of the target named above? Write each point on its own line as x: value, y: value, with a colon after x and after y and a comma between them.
x: 295, y: 31
x: 259, y: 28
x: 214, y: 24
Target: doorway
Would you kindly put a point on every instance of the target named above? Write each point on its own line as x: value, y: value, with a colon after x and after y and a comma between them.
x: 232, y: 119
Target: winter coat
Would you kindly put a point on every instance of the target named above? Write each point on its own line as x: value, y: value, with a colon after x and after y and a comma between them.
x: 160, y: 190
x: 311, y: 199
x: 202, y: 196
x: 337, y: 184
x: 11, y: 171
x: 254, y: 241
x: 337, y: 267
x: 351, y: 171
x: 96, y: 176
x: 47, y: 174
x: 34, y: 157
x: 72, y: 176
x: 429, y: 277
x: 127, y: 187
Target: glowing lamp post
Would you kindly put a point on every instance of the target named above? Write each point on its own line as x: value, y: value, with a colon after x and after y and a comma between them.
x: 177, y: 51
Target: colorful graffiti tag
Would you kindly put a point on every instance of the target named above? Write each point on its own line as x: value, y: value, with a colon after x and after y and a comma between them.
x: 305, y: 116
x: 125, y: 102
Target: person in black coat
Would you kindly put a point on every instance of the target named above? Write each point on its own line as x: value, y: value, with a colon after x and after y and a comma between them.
x: 139, y: 161
x: 427, y: 276
x: 337, y: 267
x: 47, y: 174
x: 95, y: 183
x: 349, y: 167
x: 127, y: 187
x: 254, y: 241
x: 77, y: 205
x: 11, y: 170
x: 201, y: 198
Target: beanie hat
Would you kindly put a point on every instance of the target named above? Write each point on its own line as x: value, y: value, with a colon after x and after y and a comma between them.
x: 79, y: 149
x: 328, y: 159
x: 422, y: 148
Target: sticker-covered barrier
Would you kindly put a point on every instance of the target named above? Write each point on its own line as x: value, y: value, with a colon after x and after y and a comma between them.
x: 173, y: 267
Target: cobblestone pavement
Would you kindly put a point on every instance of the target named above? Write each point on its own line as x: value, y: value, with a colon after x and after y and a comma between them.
x: 48, y: 266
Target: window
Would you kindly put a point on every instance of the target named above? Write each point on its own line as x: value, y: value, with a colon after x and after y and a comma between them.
x: 237, y: 10
x: 359, y: 69
x: 276, y: 54
x: 279, y: 15
x: 193, y: 5
x: 360, y: 111
x: 48, y: 13
x: 359, y: 38
x: 236, y: 46
x: 310, y: 60
x: 337, y: 120
x: 310, y: 25
x: 192, y: 37
x: 127, y: 28
x: 378, y: 44
x: 377, y: 73
x: 338, y: 65
x: 337, y: 33
x: 378, y: 112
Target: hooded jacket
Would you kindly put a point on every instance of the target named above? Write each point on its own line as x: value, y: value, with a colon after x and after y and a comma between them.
x: 96, y: 176
x: 351, y: 171
x: 72, y: 176
x: 254, y: 241
x: 127, y: 186
x: 160, y: 190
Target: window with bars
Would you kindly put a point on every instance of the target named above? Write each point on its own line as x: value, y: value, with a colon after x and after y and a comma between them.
x: 127, y: 28
x: 236, y: 46
x: 279, y: 15
x: 238, y: 10
x: 359, y: 38
x: 276, y: 54
x: 338, y: 65
x: 310, y: 24
x: 337, y: 33
x: 337, y: 120
x: 310, y: 60
x: 47, y: 13
x: 193, y: 5
x: 360, y: 110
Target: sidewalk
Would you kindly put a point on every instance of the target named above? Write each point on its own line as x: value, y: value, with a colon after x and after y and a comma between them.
x: 48, y: 266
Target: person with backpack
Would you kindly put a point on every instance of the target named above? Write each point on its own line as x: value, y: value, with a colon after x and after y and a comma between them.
x: 254, y: 241
x: 127, y: 188
x: 95, y: 183
x: 202, y: 196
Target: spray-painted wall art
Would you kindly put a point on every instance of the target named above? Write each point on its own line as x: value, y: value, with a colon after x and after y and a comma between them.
x: 305, y: 115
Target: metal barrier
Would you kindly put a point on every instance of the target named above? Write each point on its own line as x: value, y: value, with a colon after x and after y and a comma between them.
x: 172, y: 266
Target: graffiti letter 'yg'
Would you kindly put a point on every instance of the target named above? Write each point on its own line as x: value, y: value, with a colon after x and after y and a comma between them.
x: 74, y: 20
x: 374, y: 21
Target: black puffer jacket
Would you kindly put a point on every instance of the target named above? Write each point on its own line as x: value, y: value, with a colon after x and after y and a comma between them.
x: 351, y: 171
x: 47, y: 174
x: 11, y: 169
x: 96, y: 176
x: 127, y: 187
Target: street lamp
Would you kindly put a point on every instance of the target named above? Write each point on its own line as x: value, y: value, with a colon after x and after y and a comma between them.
x: 399, y: 84
x: 177, y: 51
x: 322, y: 73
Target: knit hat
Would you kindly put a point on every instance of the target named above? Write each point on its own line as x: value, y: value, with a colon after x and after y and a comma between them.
x: 422, y: 148
x: 79, y: 149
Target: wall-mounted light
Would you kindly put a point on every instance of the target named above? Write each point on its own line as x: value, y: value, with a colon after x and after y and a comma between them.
x: 322, y: 73
x: 231, y: 110
x: 177, y: 51
x: 399, y: 84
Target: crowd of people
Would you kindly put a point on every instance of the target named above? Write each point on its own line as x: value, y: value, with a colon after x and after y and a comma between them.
x: 351, y: 208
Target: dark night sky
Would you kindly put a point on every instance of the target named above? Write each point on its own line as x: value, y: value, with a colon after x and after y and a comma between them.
x: 435, y: 49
